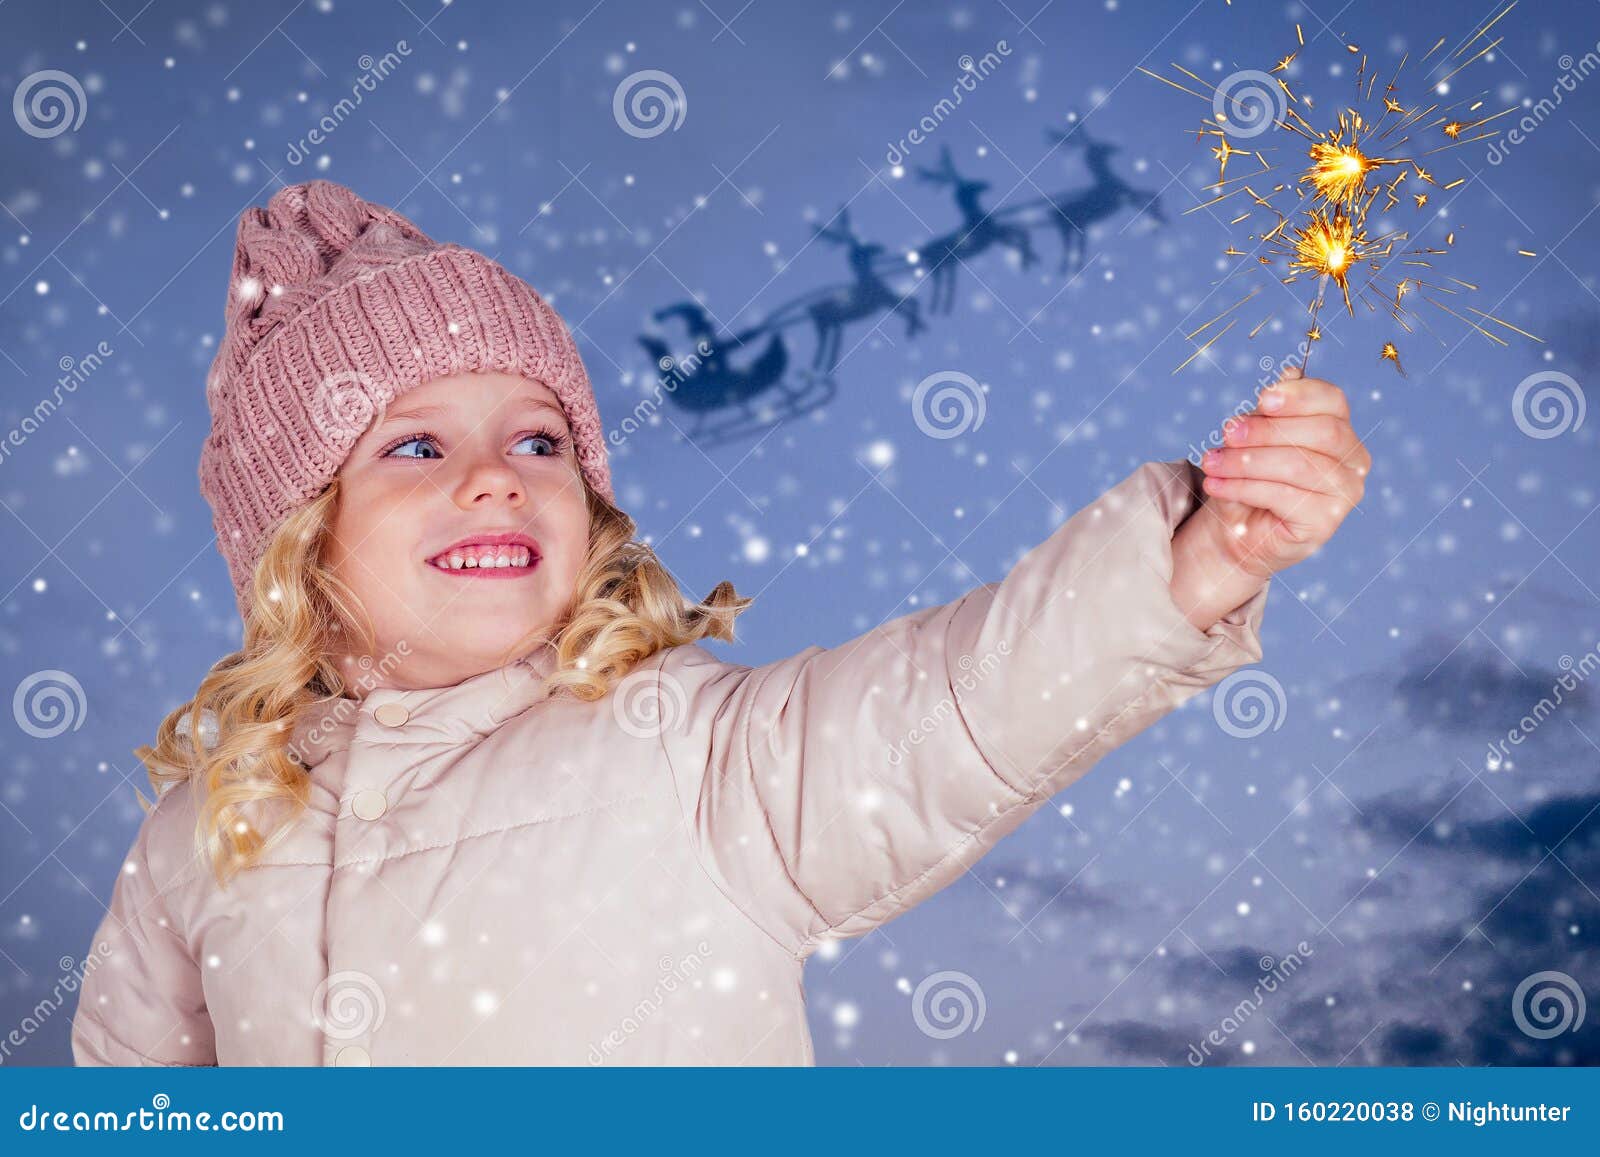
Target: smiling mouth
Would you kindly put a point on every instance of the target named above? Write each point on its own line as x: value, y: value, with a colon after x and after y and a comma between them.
x: 487, y: 561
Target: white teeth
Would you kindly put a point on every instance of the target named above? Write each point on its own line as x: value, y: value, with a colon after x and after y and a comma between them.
x: 517, y: 556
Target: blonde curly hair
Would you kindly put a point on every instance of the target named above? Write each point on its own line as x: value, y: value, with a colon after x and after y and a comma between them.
x: 625, y: 607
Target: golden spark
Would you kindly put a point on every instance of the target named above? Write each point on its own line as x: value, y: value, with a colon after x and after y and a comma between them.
x: 1328, y: 246
x: 1224, y: 152
x: 1338, y: 173
x: 1306, y: 213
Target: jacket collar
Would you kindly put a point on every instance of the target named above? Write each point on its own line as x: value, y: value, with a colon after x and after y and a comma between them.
x: 458, y: 713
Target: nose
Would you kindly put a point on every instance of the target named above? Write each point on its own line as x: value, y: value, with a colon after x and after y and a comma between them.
x: 489, y: 480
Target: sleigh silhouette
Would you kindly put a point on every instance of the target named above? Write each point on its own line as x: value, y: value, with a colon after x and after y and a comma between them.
x: 726, y: 402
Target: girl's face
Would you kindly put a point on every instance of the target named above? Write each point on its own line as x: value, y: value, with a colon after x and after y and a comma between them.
x: 454, y: 461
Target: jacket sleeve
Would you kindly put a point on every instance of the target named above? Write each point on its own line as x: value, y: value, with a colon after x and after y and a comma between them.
x: 830, y: 791
x: 141, y: 1001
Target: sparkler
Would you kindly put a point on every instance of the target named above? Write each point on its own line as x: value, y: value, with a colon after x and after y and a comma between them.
x: 1342, y: 179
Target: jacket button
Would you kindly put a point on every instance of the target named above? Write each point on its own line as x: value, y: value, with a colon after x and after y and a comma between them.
x: 369, y: 804
x: 352, y: 1055
x: 391, y: 714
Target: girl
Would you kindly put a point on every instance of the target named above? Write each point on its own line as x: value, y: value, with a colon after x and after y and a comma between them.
x: 473, y: 793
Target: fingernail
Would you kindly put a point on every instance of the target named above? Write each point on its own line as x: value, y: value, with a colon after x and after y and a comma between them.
x: 1272, y: 399
x: 1212, y: 459
x: 1236, y: 429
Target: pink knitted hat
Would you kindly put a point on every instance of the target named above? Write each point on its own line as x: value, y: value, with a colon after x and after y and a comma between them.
x: 336, y: 307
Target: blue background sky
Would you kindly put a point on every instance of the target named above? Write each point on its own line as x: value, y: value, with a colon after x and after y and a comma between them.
x: 1120, y: 926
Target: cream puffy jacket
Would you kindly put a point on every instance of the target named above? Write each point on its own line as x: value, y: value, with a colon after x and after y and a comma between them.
x: 489, y: 875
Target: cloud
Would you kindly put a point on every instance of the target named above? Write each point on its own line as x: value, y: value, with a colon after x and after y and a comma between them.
x: 1427, y: 976
x: 1139, y: 1041
x: 1570, y: 824
x: 1239, y: 965
x: 1456, y: 688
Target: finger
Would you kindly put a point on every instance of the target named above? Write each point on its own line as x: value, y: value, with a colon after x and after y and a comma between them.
x: 1321, y: 432
x: 1302, y: 397
x: 1307, y: 469
x: 1304, y: 512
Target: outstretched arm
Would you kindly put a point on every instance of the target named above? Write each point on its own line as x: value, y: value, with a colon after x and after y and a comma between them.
x: 832, y: 790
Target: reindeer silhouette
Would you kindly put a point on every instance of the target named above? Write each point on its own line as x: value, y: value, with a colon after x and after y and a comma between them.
x: 767, y: 390
x: 867, y: 295
x: 1073, y: 215
x: 977, y: 232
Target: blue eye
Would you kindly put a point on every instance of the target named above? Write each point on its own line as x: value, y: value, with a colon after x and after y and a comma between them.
x: 415, y: 440
x: 554, y: 442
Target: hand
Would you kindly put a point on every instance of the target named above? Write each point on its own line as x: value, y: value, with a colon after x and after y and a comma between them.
x: 1288, y: 474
